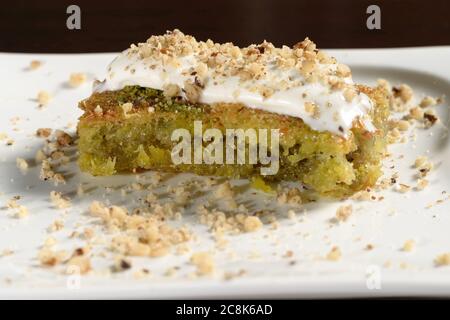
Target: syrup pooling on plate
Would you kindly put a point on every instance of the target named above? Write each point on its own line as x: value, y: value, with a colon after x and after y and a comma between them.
x: 301, y: 81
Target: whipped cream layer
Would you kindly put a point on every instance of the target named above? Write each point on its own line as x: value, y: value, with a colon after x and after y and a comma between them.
x: 300, y: 82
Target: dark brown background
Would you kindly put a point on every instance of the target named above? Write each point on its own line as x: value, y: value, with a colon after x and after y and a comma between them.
x: 40, y: 26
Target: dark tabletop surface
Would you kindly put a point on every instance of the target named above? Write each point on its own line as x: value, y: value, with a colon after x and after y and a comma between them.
x: 40, y: 26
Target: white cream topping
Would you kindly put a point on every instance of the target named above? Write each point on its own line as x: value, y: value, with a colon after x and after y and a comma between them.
x: 282, y: 90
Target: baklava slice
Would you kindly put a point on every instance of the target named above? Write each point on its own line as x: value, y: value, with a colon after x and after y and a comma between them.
x: 297, y: 104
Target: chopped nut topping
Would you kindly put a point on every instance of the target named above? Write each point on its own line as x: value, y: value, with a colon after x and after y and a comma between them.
x: 127, y: 107
x: 62, y: 138
x: 201, y: 65
x: 201, y: 70
x: 22, y: 164
x: 416, y: 113
x: 171, y: 90
x: 140, y: 235
x: 22, y: 212
x: 43, y: 132
x: 383, y: 83
x: 442, y: 260
x: 424, y: 165
x: 421, y: 184
x: 35, y: 64
x: 349, y: 94
x: 428, y: 102
x: 291, y: 197
x: 421, y: 161
x: 47, y: 172
x: 363, y: 195
x: 252, y: 223
x: 192, y: 91
x: 204, y: 263
x: 56, y: 226
x: 43, y: 98
x: 409, y: 245
x: 144, y: 231
x: 81, y: 263
x: 312, y: 110
x: 224, y: 190
x: 403, y: 125
x: 343, y: 70
x: 344, y: 212
x: 59, y: 200
x: 430, y: 119
x: 98, y: 110
x: 48, y: 257
x: 6, y: 252
x: 308, y: 67
x: 334, y: 254
x: 402, y: 188
x: 12, y: 203
x: 49, y: 242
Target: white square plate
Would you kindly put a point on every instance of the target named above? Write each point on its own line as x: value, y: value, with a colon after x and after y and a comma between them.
x: 385, y: 270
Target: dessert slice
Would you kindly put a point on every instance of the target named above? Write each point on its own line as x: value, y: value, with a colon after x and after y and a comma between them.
x: 295, y: 111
